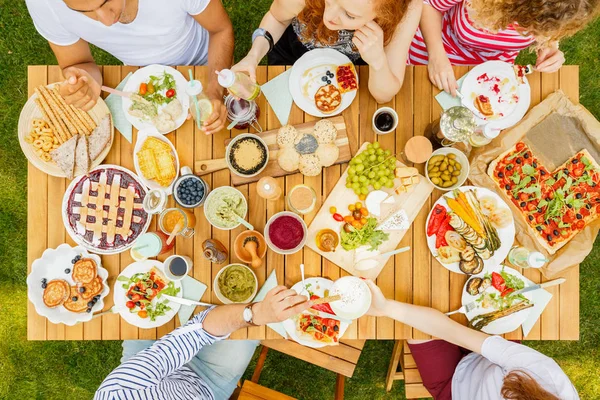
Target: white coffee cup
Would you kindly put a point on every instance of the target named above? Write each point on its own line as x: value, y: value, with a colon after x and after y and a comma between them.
x: 394, y: 115
x: 167, y: 267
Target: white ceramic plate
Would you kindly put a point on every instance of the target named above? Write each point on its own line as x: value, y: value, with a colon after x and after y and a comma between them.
x: 507, y: 234
x: 51, y: 265
x: 119, y: 297
x: 513, y: 113
x: 143, y: 75
x: 149, y: 183
x: 501, y: 325
x: 318, y: 287
x: 303, y: 87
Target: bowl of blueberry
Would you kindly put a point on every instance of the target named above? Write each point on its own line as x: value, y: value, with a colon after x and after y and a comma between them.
x: 190, y: 190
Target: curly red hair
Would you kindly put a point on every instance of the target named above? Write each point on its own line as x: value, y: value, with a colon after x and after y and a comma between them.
x: 389, y: 14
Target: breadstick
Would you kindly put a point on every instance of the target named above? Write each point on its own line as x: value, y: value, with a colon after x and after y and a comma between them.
x: 85, y: 117
x: 329, y: 299
x: 53, y: 101
x: 70, y: 113
x: 56, y: 121
x: 45, y: 97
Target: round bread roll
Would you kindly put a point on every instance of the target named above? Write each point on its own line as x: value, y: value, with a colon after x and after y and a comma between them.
x: 328, y: 154
x: 325, y: 131
x: 286, y: 136
x: 310, y: 165
x: 288, y: 159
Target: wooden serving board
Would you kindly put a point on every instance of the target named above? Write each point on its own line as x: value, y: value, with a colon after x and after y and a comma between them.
x: 270, y: 137
x: 341, y: 197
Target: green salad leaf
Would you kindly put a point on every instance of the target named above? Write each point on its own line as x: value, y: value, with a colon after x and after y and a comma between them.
x: 367, y: 235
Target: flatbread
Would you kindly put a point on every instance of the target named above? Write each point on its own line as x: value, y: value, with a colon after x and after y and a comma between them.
x: 99, y: 138
x: 328, y: 99
x: 286, y: 136
x: 56, y: 293
x: 309, y: 165
x: 64, y: 156
x: 82, y: 157
x: 325, y: 131
x: 328, y: 154
x: 288, y: 159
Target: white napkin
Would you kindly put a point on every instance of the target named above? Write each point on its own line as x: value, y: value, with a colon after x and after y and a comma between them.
x: 277, y: 93
x: 446, y: 100
x: 269, y: 284
x: 114, y: 104
x: 540, y: 298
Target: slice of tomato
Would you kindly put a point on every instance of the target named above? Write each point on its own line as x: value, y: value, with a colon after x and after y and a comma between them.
x: 498, y: 282
x: 520, y: 146
x: 580, y: 224
x: 506, y: 292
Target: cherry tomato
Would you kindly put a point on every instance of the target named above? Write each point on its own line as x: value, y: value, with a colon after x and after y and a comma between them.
x: 357, y: 215
x: 358, y: 205
x: 580, y: 224
x: 598, y: 208
x: 150, y: 88
x: 170, y: 93
x: 330, y: 322
x: 351, y: 207
x: 318, y: 335
x: 540, y: 219
x: 136, y: 297
x: 578, y: 172
x: 520, y: 146
x: 348, y: 218
x: 143, y: 89
x: 363, y: 221
x: 523, y: 196
x: 531, y: 207
x: 564, y: 233
x: 332, y: 210
x: 142, y: 314
x: 338, y: 217
x: 130, y: 304
x: 362, y: 197
x: 356, y: 224
x: 364, y: 211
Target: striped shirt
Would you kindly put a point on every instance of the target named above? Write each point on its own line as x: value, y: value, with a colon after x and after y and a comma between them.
x: 159, y: 372
x: 466, y: 44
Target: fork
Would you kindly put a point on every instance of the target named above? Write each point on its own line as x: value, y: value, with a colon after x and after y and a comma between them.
x: 464, y: 309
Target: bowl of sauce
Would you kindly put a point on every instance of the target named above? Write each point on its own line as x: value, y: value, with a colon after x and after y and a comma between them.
x: 235, y: 283
x: 247, y: 155
x: 285, y: 233
x: 302, y: 199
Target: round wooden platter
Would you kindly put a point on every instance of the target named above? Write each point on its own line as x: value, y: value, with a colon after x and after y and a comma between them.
x: 31, y: 111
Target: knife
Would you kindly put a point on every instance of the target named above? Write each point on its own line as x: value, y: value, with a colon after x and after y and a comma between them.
x: 327, y: 315
x: 540, y: 286
x: 186, y: 302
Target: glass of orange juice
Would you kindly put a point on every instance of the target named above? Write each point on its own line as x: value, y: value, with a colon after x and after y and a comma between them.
x: 180, y: 221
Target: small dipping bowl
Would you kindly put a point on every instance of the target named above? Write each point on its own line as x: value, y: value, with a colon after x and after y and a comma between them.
x: 356, y: 297
x: 242, y: 253
x: 224, y: 299
x: 460, y: 157
x: 277, y: 249
x: 211, y: 196
x: 237, y: 169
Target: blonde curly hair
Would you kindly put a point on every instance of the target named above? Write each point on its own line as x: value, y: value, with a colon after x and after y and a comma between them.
x: 546, y: 20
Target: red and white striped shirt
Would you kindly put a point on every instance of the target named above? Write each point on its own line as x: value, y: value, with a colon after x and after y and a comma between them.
x: 464, y: 43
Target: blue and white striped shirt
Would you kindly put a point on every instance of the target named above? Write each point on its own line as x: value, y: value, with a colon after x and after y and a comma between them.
x: 159, y: 372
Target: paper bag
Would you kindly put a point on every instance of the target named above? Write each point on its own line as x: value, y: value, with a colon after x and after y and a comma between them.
x: 556, y: 129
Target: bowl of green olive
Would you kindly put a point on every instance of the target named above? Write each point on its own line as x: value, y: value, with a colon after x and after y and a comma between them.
x: 447, y: 168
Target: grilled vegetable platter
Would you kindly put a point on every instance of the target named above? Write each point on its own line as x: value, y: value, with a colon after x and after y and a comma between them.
x: 470, y: 229
x: 499, y: 310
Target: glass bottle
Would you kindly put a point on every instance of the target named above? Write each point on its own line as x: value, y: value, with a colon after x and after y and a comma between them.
x: 200, y: 105
x: 214, y: 251
x: 238, y: 84
x: 522, y: 257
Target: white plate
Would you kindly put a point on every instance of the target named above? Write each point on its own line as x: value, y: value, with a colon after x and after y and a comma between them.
x: 507, y: 235
x: 501, y: 325
x: 513, y: 113
x: 119, y: 297
x: 329, y: 59
x: 318, y: 287
x: 51, y: 265
x: 149, y: 183
x: 143, y: 75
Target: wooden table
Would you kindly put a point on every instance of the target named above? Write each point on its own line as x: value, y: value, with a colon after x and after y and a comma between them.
x: 413, y: 277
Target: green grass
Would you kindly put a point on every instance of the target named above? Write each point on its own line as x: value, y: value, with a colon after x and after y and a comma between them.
x: 73, y: 370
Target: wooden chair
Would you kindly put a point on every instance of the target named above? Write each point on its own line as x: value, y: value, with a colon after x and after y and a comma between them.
x: 341, y: 359
x: 253, y: 391
x: 413, y: 384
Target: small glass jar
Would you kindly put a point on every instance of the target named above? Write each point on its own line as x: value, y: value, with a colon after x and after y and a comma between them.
x: 245, y: 112
x: 301, y: 199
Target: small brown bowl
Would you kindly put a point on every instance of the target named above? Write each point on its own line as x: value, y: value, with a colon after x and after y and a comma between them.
x: 242, y: 253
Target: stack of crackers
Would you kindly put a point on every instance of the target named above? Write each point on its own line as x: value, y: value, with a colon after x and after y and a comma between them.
x: 156, y: 161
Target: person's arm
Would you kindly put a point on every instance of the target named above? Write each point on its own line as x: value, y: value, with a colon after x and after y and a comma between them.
x: 387, y: 65
x: 152, y: 367
x: 215, y: 20
x: 275, y: 21
x: 439, y: 66
x: 83, y: 79
x: 427, y: 320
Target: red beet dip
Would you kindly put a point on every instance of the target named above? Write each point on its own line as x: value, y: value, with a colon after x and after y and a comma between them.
x: 286, y: 232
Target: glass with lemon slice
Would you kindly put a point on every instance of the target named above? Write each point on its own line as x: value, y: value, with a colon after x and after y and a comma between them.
x: 200, y: 105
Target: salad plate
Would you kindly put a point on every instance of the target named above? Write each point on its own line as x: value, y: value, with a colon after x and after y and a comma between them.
x: 138, y: 295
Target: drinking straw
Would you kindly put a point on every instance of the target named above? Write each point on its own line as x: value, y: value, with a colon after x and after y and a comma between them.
x: 198, y: 123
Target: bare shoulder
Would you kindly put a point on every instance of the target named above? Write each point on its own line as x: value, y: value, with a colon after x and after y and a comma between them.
x: 288, y: 7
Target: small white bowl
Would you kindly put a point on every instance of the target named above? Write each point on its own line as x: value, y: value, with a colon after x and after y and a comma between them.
x: 277, y: 249
x: 230, y: 146
x: 342, y: 285
x: 211, y: 195
x: 224, y: 299
x: 460, y: 157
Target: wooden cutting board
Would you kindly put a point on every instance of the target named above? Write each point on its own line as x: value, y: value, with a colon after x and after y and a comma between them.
x: 341, y: 197
x: 273, y: 169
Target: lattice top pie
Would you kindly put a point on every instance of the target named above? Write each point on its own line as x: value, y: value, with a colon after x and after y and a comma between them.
x: 104, y: 209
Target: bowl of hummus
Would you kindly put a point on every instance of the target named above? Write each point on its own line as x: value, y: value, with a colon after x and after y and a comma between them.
x: 235, y: 283
x: 222, y: 207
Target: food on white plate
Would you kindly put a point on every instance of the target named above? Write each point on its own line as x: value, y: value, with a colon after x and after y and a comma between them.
x: 470, y: 262
x: 143, y: 293
x: 325, y: 131
x: 328, y: 154
x: 346, y: 78
x: 448, y: 255
x: 355, y: 297
x: 478, y: 285
x: 556, y: 205
x: 99, y: 139
x: 438, y: 225
x: 371, y: 169
x: 56, y: 292
x: 488, y: 204
x: 84, y: 270
x: 309, y: 165
x: 42, y: 139
x: 501, y: 218
x: 409, y: 178
x: 328, y: 99
x: 455, y: 240
x: 521, y: 71
x: 82, y: 154
x: 64, y: 156
x: 483, y: 105
x: 286, y: 232
x: 444, y: 170
x: 313, y: 327
x: 156, y: 161
x: 481, y: 321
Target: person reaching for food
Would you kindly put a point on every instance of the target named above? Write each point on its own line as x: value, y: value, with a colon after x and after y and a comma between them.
x: 376, y: 32
x: 192, y: 362
x: 467, y: 364
x: 140, y: 33
x: 457, y: 32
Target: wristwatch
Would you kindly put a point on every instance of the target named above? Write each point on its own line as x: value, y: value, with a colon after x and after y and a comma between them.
x: 264, y: 33
x: 248, y: 314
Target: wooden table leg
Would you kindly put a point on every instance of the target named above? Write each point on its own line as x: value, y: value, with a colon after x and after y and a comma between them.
x: 260, y: 364
x: 393, y: 373
x: 339, y: 387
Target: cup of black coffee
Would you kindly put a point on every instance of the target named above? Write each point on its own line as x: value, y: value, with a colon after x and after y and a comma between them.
x: 176, y: 267
x: 385, y: 120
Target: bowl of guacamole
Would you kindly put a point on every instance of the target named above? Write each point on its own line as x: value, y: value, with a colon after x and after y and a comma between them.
x: 235, y: 283
x: 222, y: 207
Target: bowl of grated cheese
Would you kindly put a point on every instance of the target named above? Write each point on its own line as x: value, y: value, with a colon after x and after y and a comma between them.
x: 356, y: 297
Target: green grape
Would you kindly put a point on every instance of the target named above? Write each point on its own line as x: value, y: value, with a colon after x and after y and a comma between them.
x: 381, y: 159
x: 387, y: 153
x: 371, y: 151
x: 379, y: 152
x: 356, y: 185
x: 357, y: 160
x: 348, y: 185
x: 389, y: 184
x: 381, y: 172
x: 377, y: 185
x: 369, y: 146
x: 372, y: 174
x: 372, y: 158
x: 383, y: 179
x: 360, y: 168
x: 351, y: 171
x: 364, y: 190
x: 355, y: 178
x: 362, y: 178
x: 376, y: 145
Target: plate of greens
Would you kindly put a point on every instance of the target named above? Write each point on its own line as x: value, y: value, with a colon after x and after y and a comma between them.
x: 138, y: 295
x: 158, y: 101
x: 498, y: 309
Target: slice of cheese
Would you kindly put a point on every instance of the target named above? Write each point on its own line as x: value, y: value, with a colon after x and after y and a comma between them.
x: 396, y: 222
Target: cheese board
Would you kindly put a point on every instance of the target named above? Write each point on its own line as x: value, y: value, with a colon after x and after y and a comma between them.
x: 203, y: 167
x: 410, y: 202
